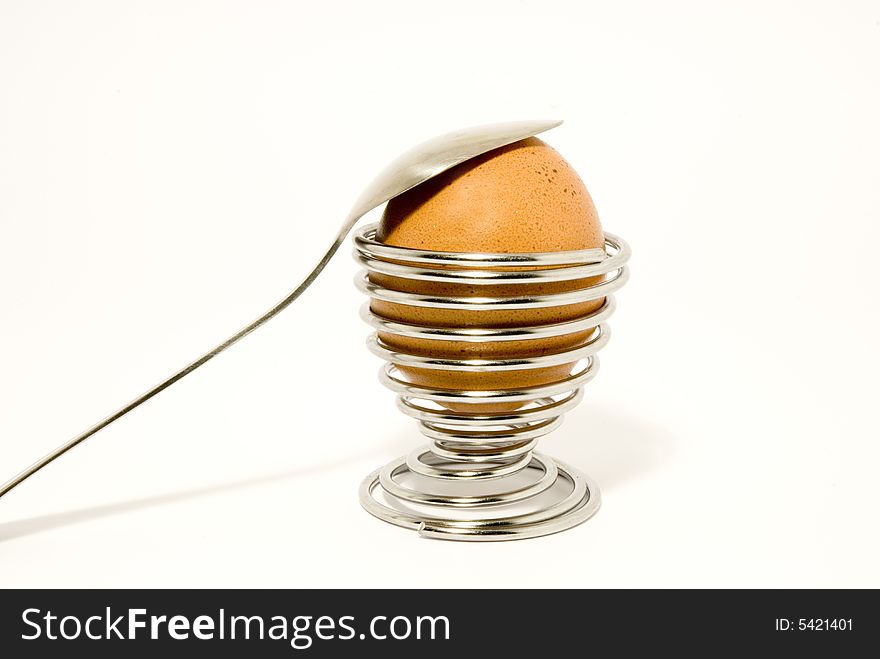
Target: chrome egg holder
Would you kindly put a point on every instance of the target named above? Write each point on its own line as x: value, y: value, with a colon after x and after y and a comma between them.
x: 501, y: 484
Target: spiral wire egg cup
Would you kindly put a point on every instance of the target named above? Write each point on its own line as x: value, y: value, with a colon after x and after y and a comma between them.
x: 471, y: 447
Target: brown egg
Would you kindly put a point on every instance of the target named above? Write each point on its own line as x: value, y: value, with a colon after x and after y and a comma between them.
x: 519, y: 198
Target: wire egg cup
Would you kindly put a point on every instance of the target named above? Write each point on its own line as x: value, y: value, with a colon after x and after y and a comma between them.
x: 479, y: 478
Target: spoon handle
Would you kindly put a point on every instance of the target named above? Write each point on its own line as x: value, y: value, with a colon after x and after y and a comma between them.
x: 179, y: 375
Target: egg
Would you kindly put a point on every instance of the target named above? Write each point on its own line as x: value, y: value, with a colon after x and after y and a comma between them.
x: 523, y: 197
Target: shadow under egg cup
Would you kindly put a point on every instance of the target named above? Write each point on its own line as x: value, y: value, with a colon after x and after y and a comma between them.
x: 480, y: 479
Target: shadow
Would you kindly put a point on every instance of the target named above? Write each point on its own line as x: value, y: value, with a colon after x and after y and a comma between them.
x: 32, y: 525
x: 610, y: 445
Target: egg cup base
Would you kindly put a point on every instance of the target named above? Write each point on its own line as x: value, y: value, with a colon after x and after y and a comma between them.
x: 433, y: 514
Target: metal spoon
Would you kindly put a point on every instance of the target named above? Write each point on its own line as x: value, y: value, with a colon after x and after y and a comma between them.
x: 409, y: 170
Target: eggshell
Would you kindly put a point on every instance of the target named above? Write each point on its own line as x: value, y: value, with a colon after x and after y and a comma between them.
x: 523, y: 197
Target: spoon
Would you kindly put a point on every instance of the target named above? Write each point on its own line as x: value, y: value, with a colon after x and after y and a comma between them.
x: 416, y: 166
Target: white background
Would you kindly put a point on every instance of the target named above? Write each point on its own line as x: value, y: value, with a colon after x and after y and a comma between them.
x: 169, y: 169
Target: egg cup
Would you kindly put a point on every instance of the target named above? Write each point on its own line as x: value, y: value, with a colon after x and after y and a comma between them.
x: 480, y: 479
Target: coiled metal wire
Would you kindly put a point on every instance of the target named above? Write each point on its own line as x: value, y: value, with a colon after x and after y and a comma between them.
x: 478, y: 446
